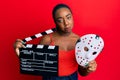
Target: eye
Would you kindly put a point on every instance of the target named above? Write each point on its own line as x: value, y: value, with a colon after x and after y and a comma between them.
x: 94, y: 53
x: 59, y: 20
x: 69, y: 17
x: 86, y: 49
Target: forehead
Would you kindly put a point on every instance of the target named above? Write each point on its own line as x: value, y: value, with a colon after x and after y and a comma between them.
x: 62, y: 12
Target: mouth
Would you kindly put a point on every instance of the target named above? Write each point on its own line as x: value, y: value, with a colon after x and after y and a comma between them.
x: 68, y: 29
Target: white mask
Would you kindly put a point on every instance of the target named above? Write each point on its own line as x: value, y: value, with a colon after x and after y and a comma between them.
x: 88, y: 48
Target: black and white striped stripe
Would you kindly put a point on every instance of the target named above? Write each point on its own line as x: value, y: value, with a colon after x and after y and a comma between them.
x: 39, y: 35
x: 40, y: 46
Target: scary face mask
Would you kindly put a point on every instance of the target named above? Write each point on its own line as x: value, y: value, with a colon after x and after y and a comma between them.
x: 88, y: 48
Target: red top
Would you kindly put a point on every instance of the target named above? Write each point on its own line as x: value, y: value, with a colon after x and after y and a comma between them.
x: 67, y: 62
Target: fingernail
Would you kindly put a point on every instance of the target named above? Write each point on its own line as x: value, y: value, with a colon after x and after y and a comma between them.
x: 23, y: 42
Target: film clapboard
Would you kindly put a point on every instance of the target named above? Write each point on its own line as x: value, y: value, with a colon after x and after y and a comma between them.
x: 39, y: 59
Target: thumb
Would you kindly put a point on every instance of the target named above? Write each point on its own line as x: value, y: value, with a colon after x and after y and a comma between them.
x: 17, y: 51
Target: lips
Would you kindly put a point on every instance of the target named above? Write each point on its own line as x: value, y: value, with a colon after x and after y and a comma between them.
x: 68, y: 29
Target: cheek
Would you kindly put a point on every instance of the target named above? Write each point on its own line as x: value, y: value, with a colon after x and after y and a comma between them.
x: 72, y: 23
x: 60, y: 26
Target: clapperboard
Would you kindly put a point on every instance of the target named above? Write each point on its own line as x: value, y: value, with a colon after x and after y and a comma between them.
x: 39, y: 59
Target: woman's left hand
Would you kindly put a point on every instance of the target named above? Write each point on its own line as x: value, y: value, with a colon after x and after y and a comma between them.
x: 92, y: 66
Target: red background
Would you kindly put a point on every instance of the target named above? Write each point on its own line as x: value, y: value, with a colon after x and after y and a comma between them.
x: 23, y: 18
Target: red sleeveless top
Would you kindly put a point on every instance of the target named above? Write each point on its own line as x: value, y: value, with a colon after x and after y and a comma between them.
x: 67, y: 62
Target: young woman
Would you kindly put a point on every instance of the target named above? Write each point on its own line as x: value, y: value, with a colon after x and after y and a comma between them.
x: 66, y: 40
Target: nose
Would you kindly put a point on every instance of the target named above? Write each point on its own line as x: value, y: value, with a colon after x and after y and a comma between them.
x: 66, y: 22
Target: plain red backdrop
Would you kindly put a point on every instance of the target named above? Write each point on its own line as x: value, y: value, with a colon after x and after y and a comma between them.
x: 23, y: 18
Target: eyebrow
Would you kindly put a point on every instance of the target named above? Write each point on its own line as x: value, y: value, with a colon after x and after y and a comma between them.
x: 66, y: 16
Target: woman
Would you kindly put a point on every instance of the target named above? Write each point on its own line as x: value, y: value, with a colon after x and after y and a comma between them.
x: 66, y: 40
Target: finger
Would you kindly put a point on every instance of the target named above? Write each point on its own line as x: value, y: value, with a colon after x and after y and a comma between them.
x: 17, y: 51
x: 23, y: 46
x: 19, y: 40
x: 18, y: 44
x: 91, y: 69
x: 92, y: 63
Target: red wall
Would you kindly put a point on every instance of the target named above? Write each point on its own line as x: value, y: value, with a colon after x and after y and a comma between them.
x: 23, y: 18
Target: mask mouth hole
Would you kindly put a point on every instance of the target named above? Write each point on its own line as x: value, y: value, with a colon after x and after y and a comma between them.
x: 94, y: 53
x: 86, y: 49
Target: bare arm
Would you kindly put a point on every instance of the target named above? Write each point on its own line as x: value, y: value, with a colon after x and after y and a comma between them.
x: 45, y: 40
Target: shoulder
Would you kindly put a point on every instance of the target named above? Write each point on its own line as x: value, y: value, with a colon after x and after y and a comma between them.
x: 45, y: 40
x: 76, y: 36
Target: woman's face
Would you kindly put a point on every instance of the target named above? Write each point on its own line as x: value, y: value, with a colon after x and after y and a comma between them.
x: 64, y: 20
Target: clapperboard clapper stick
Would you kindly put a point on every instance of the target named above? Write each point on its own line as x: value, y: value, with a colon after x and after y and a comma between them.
x: 39, y: 35
x: 39, y: 59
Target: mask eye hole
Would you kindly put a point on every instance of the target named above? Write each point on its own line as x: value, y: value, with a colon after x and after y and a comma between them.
x: 94, y: 53
x: 86, y: 49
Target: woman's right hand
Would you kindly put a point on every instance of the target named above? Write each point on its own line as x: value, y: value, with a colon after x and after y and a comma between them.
x: 18, y: 44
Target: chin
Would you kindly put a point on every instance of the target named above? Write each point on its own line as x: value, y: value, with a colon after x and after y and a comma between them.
x: 69, y: 31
